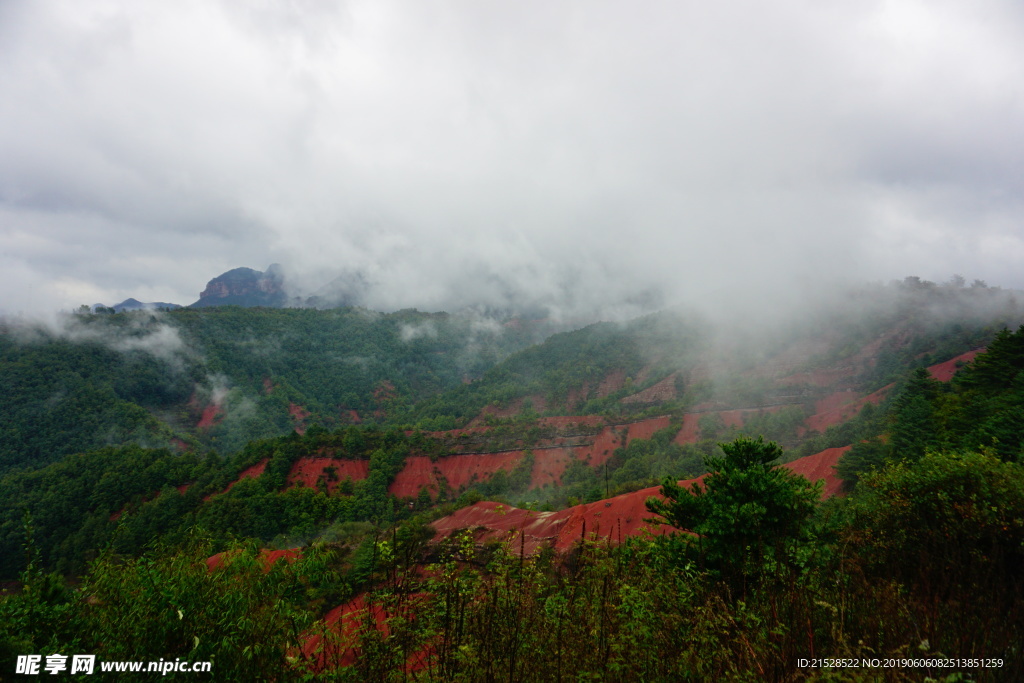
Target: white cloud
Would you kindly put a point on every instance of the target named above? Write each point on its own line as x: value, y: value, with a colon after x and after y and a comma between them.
x: 568, y: 154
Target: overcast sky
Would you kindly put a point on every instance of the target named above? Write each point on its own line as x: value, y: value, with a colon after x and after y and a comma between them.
x: 455, y: 151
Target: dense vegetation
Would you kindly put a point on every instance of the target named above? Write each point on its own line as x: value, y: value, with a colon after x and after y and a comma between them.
x: 122, y: 498
x: 982, y: 409
x: 919, y: 563
x: 139, y: 377
x: 567, y: 370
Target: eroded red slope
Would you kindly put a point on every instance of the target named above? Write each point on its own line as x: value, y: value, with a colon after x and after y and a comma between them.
x: 550, y: 461
x: 614, y: 518
x: 945, y: 371
x: 316, y: 471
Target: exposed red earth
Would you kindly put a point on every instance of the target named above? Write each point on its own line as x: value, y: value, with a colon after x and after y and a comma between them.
x: 529, y: 529
x: 614, y: 518
x: 690, y: 431
x: 565, y: 421
x: 612, y: 382
x: 267, y: 557
x: 181, y: 488
x: 299, y: 415
x: 457, y: 470
x: 553, y: 456
x: 844, y: 370
x: 345, y: 622
x: 665, y: 390
x: 212, y: 414
x: 526, y: 531
x: 835, y: 401
x: 550, y: 462
x: 250, y: 472
x: 461, y: 470
x: 616, y: 436
x: 310, y: 471
x: 945, y: 371
x: 821, y: 467
x: 842, y: 406
x: 514, y: 408
x: 385, y: 391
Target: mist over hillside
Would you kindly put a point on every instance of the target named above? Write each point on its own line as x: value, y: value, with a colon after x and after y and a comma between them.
x: 218, y: 377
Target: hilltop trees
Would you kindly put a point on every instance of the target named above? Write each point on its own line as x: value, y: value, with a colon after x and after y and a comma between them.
x: 747, y: 509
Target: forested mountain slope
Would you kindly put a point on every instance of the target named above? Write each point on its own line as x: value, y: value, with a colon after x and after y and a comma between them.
x: 220, y: 377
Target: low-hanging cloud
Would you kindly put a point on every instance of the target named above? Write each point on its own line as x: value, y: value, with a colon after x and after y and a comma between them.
x: 143, y: 332
x: 411, y: 332
x: 580, y: 157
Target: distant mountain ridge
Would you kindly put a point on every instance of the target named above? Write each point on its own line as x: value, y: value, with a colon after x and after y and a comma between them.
x: 249, y: 288
x: 136, y: 305
x: 245, y: 287
x: 131, y: 304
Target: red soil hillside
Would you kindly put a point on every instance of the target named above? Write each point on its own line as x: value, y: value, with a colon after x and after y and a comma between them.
x: 514, y: 408
x: 267, y: 557
x: 529, y: 529
x: 844, y: 405
x: 690, y: 432
x: 611, y: 383
x: 554, y: 455
x: 820, y: 467
x: 299, y: 415
x: 248, y: 473
x: 309, y: 471
x: 211, y: 416
x: 457, y: 470
x: 615, y: 518
x: 565, y: 421
x: 345, y: 621
x: 181, y: 488
x: 945, y: 371
x: 616, y: 436
x: 665, y: 390
x: 842, y: 372
x: 840, y: 407
x: 549, y: 461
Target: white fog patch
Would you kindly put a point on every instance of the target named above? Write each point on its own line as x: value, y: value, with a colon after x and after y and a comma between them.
x: 163, y: 342
x: 409, y: 332
x: 238, y: 406
x: 218, y: 387
x: 488, y: 327
x: 144, y: 332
